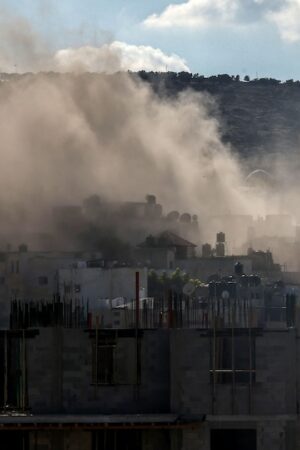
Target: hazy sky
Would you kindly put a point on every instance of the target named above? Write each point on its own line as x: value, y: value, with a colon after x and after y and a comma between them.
x: 256, y: 37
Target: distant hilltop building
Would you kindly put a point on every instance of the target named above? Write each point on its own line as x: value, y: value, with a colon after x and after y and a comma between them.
x: 129, y: 220
x: 165, y: 249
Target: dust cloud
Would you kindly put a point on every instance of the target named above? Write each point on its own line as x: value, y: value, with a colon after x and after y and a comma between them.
x: 65, y: 137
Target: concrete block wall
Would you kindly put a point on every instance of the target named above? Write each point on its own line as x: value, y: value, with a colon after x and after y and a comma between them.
x: 195, y: 439
x: 155, y: 371
x: 276, y: 377
x: 269, y: 435
x: 156, y: 440
x: 295, y: 443
x: 60, y: 380
x: 273, y: 392
x: 297, y: 361
x: 231, y: 400
x: 60, y: 375
x: 189, y: 371
x: 44, y: 378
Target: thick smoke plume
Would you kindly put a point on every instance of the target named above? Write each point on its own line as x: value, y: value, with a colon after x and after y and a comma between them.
x: 65, y: 137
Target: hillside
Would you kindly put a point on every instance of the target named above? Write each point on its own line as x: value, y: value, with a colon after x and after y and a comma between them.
x: 256, y: 116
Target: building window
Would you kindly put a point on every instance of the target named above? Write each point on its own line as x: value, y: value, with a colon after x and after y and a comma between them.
x: 43, y: 281
x: 114, y: 361
x: 233, y: 360
x: 2, y: 281
x: 103, y: 367
x: 17, y: 267
x: 13, y: 362
x: 77, y: 288
x: 67, y: 289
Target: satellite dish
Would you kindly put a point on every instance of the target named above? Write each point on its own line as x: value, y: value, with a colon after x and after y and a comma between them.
x: 188, y: 289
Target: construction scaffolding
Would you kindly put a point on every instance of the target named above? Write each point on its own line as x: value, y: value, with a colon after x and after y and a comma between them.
x: 171, y: 310
x: 13, y: 377
x: 232, y: 352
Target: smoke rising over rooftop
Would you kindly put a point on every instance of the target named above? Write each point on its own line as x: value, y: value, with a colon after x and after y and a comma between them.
x: 65, y: 137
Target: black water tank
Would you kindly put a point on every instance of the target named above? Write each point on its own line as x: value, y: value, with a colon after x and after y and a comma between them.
x: 185, y: 218
x: 173, y: 215
x: 206, y: 250
x: 238, y: 269
x: 23, y: 248
x: 151, y: 199
x: 221, y: 237
x: 220, y: 249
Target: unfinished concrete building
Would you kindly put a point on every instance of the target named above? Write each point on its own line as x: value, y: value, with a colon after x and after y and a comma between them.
x: 220, y: 372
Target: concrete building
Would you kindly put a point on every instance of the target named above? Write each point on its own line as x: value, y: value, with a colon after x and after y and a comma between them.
x: 27, y: 274
x: 227, y: 380
x: 33, y: 275
x: 221, y: 266
x: 96, y: 283
x: 164, y: 250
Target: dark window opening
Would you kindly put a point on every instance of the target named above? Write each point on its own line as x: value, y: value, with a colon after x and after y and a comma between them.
x: 67, y: 289
x: 228, y: 439
x: 2, y: 280
x: 103, y: 364
x: 16, y: 440
x: 17, y: 267
x: 117, y: 440
x: 13, y: 377
x: 233, y: 359
x: 114, y: 361
x: 43, y: 281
